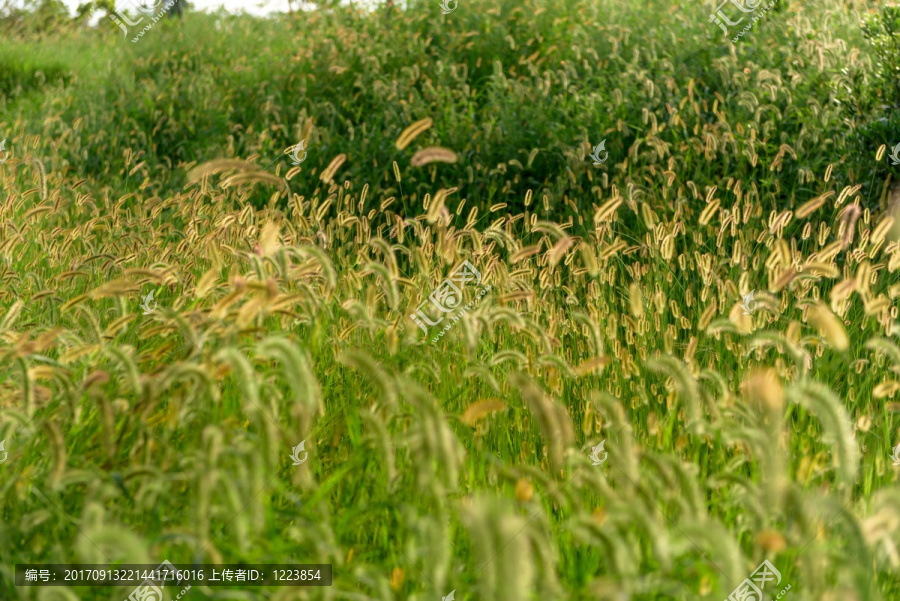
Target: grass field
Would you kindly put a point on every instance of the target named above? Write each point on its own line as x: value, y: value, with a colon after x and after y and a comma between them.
x: 611, y: 304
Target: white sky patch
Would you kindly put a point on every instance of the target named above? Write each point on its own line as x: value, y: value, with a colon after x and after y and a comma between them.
x: 253, y: 7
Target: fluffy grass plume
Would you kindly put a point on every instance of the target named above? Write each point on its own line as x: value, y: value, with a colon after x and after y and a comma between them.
x: 613, y: 307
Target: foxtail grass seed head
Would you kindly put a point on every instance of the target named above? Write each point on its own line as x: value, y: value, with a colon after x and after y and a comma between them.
x: 829, y: 327
x: 847, y: 225
x: 332, y: 168
x: 480, y: 410
x: 810, y: 206
x: 433, y: 154
x: 410, y: 133
x: 524, y: 490
x: 741, y: 319
x: 458, y: 365
x: 771, y: 541
x: 763, y: 388
x: 397, y: 578
x: 636, y: 300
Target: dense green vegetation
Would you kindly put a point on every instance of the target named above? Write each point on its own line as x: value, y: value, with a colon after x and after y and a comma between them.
x: 617, y: 309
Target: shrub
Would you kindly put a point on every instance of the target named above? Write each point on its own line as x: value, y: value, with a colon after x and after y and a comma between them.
x: 871, y: 98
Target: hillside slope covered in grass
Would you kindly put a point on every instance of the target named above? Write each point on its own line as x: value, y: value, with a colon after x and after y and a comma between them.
x: 716, y: 303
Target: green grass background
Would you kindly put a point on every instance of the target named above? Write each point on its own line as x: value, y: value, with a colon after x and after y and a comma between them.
x: 136, y: 438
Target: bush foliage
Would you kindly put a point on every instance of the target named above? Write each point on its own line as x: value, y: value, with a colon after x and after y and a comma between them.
x: 716, y: 303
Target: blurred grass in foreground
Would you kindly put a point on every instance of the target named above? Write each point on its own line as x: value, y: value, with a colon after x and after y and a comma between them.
x: 615, y: 314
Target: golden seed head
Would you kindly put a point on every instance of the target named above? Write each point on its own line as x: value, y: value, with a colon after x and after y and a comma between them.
x: 741, y: 320
x: 771, y: 541
x: 397, y: 578
x: 524, y: 490
x: 829, y: 326
x: 864, y: 424
x: 763, y: 388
